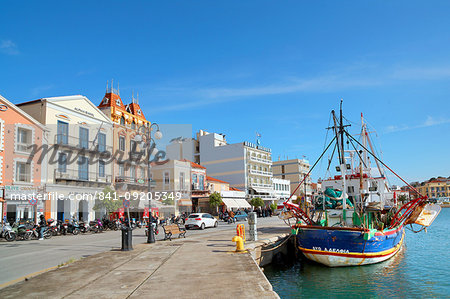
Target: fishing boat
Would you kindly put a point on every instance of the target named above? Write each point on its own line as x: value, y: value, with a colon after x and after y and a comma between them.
x: 357, y: 218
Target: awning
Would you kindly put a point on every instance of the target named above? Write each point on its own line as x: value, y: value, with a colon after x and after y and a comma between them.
x: 236, y: 203
x: 242, y: 203
x: 185, y: 202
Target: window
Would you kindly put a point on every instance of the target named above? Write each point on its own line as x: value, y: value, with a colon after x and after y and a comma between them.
x: 139, y: 112
x: 121, y: 170
x: 62, y: 136
x: 133, y: 146
x: 351, y: 189
x: 166, y: 179
x: 143, y: 173
x: 83, y: 168
x: 118, y: 102
x: 23, y: 172
x: 122, y: 120
x: 181, y: 180
x: 62, y: 162
x: 101, y: 168
x: 133, y: 171
x: 133, y: 125
x: 84, y: 138
x: 23, y: 140
x: 101, y: 142
x: 200, y: 182
x: 121, y: 143
x: 105, y: 100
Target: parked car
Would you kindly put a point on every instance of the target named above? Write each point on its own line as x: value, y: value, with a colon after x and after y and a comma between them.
x: 200, y: 220
x: 240, y: 215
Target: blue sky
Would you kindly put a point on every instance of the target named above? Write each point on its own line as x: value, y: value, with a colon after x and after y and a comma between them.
x: 276, y: 67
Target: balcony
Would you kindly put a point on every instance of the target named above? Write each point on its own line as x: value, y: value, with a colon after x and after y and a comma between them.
x: 143, y: 182
x: 81, y: 176
x: 76, y: 143
x: 266, y: 197
x: 260, y: 172
x: 257, y: 185
x: 260, y: 160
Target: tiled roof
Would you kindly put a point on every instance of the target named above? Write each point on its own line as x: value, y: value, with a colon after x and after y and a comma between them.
x: 193, y: 165
x: 208, y: 178
x: 234, y: 189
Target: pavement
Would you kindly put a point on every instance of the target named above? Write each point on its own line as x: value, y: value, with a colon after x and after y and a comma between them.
x: 203, y: 265
x: 19, y: 259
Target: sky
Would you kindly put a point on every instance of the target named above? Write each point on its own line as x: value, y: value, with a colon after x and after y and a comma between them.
x: 240, y: 67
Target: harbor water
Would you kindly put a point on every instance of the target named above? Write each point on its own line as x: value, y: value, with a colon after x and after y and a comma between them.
x: 420, y: 270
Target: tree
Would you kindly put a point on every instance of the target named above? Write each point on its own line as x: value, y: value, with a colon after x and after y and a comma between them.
x: 107, y: 200
x: 273, y: 207
x: 215, y: 200
x: 257, y: 202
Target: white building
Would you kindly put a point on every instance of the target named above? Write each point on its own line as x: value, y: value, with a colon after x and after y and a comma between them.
x: 244, y: 165
x: 282, y: 190
x: 76, y: 171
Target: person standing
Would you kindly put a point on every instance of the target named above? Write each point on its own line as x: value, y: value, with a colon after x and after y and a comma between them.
x: 42, y: 226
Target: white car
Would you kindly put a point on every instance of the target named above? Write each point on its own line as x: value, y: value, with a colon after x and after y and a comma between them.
x: 200, y: 220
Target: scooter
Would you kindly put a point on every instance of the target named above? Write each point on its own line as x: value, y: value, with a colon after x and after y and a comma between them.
x: 7, y: 232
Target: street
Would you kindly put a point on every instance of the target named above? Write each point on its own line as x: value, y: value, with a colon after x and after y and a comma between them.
x: 20, y: 258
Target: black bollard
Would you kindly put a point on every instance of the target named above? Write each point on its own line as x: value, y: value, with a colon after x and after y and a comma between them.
x: 127, y: 238
x: 151, y: 234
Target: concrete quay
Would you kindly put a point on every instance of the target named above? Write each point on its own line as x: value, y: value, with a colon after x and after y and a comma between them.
x: 200, y: 266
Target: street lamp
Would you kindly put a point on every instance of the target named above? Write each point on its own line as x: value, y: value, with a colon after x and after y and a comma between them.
x: 146, y: 131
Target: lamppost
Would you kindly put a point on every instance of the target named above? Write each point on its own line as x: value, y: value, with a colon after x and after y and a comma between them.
x: 146, y: 131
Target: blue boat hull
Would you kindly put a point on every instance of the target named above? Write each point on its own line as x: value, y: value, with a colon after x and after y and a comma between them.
x: 336, y: 247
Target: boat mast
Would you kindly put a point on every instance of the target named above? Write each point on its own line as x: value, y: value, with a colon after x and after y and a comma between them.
x: 343, y: 166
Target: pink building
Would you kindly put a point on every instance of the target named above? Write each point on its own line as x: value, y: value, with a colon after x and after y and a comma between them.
x: 21, y: 190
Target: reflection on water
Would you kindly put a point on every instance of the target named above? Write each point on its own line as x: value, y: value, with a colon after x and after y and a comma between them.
x: 419, y: 270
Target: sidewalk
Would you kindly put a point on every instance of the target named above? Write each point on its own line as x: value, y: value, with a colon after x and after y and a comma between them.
x: 202, y: 266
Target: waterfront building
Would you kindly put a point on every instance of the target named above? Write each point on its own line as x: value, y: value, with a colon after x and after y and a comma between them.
x: 232, y: 198
x: 21, y: 172
x: 78, y: 166
x: 294, y: 170
x: 199, y: 186
x: 129, y: 168
x: 246, y: 166
x: 172, y: 192
x: 282, y: 190
x: 437, y: 188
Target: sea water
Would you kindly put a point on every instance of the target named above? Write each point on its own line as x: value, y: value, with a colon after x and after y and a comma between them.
x: 420, y: 270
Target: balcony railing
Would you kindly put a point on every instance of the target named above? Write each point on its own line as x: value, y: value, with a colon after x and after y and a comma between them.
x: 133, y: 181
x: 260, y: 172
x: 81, y: 176
x: 260, y: 160
x: 77, y: 143
x: 257, y: 185
x: 263, y: 196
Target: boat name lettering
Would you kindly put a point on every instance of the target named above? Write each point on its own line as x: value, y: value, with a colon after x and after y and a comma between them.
x: 332, y: 249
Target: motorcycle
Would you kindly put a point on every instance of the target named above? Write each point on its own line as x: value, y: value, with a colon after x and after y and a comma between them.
x: 47, y: 234
x: 22, y: 231
x: 84, y: 227
x: 7, y: 232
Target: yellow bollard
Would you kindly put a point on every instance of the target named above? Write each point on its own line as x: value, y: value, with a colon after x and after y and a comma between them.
x: 239, y: 243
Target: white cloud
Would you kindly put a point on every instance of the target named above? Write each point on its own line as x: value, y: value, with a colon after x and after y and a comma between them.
x: 429, y: 122
x: 8, y: 47
x: 37, y: 91
x: 421, y: 73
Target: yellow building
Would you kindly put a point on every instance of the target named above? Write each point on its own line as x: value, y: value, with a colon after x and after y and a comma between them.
x: 436, y: 188
x: 294, y: 170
